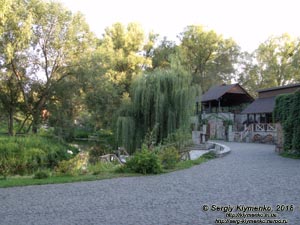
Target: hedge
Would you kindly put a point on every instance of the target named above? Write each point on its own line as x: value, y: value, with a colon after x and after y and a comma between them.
x: 287, y: 112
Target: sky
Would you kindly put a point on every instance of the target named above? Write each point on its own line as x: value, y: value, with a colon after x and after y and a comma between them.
x: 248, y: 22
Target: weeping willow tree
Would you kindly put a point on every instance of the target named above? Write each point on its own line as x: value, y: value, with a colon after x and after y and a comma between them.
x: 161, y: 103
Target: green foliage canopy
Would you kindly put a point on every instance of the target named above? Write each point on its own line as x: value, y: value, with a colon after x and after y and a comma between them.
x: 208, y: 56
x: 162, y: 102
x: 274, y: 63
x: 40, y: 42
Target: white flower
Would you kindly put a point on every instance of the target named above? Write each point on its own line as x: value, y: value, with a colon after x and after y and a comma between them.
x: 70, y: 152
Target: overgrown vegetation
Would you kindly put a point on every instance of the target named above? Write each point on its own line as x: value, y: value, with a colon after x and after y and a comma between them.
x: 169, y: 157
x: 287, y: 112
x: 144, y: 162
x: 26, y: 155
x: 162, y: 103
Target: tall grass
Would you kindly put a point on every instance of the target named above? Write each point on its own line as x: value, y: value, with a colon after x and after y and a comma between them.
x: 24, y: 155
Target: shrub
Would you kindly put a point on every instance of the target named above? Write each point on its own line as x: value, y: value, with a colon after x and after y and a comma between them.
x: 42, y: 174
x: 95, y: 153
x: 209, y: 155
x: 106, y: 137
x: 296, y: 122
x: 145, y: 162
x: 66, y: 167
x: 6, y: 166
x: 101, y: 167
x: 179, y: 139
x: 287, y: 112
x: 35, y: 158
x: 74, y: 166
x: 169, y: 157
x: 21, y: 155
x: 81, y: 133
x: 122, y: 169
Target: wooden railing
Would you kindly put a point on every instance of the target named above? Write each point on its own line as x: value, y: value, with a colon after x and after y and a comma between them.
x: 264, y: 127
x: 246, y: 132
x: 257, y: 127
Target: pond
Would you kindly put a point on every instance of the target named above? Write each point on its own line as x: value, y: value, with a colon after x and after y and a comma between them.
x: 85, y: 145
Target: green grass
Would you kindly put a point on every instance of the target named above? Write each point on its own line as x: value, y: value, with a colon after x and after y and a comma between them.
x: 189, y: 163
x: 25, y: 181
x: 27, y: 154
x: 290, y: 155
x: 107, y: 172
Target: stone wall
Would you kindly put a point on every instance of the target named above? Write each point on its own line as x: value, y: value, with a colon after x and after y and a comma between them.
x: 280, y: 139
x: 216, y: 128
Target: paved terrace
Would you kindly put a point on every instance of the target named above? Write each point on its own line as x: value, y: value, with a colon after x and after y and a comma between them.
x: 252, y: 174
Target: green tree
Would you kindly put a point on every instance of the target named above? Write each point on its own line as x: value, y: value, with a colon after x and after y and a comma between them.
x: 162, y: 54
x: 273, y: 63
x: 40, y: 48
x: 5, y: 8
x: 60, y: 39
x: 247, y: 73
x: 209, y: 57
x: 149, y: 46
x: 162, y: 103
x: 275, y: 60
x: 65, y: 107
x: 122, y: 54
x: 102, y: 101
x: 9, y: 98
x: 14, y: 42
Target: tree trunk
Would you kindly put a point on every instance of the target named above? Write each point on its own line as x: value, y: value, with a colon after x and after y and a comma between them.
x: 37, y: 113
x: 35, y: 123
x: 23, y: 124
x: 11, y: 123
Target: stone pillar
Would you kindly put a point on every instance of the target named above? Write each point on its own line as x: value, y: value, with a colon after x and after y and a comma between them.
x: 279, y: 138
x: 204, y: 128
x: 196, y: 137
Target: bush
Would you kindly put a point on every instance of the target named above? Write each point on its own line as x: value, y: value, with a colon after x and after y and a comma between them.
x: 145, y: 162
x: 169, y: 157
x: 95, y: 153
x: 101, y: 167
x: 296, y: 122
x: 42, y: 174
x: 287, y: 112
x: 209, y: 155
x: 179, y: 139
x: 106, y: 137
x: 81, y: 133
x: 35, y: 158
x: 6, y: 166
x: 73, y: 167
x: 122, y: 169
x: 21, y: 155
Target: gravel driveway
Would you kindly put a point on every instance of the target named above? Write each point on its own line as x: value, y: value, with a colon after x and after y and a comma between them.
x: 251, y: 175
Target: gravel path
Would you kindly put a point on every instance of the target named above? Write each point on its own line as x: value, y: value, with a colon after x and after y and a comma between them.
x: 251, y: 174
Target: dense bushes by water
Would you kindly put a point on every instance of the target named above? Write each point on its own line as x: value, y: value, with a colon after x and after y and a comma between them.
x: 25, y: 155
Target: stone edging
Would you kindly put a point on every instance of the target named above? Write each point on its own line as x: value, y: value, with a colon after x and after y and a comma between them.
x: 220, y: 149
